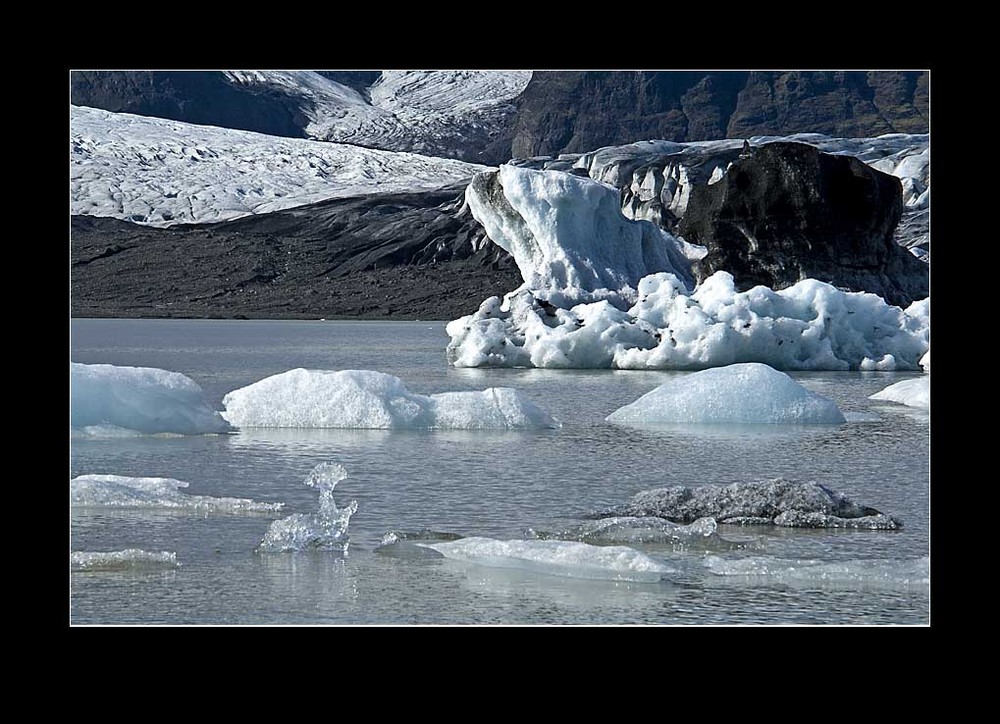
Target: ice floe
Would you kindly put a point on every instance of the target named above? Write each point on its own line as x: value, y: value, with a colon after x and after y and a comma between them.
x: 143, y: 399
x: 130, y: 559
x: 750, y: 393
x: 558, y: 558
x: 876, y: 573
x: 374, y: 400
x: 119, y: 491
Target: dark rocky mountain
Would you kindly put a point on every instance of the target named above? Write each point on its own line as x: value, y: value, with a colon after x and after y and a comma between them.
x: 787, y: 211
x: 558, y: 111
x: 405, y: 256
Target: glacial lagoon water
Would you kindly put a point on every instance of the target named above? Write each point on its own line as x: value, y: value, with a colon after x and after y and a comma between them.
x: 429, y: 489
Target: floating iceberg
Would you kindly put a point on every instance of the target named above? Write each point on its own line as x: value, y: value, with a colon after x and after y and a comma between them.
x: 749, y: 393
x: 808, y: 326
x: 324, y: 530
x: 631, y: 530
x: 130, y: 559
x: 367, y: 399
x: 118, y: 491
x: 774, y: 502
x: 812, y: 572
x: 913, y: 393
x: 144, y: 399
x: 557, y: 558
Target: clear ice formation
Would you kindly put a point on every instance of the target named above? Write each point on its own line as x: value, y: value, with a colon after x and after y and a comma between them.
x: 324, y: 530
x: 749, y: 393
x: 774, y: 502
x: 374, y: 400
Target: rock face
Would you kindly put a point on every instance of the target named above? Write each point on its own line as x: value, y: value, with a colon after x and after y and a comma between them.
x: 787, y: 212
x: 408, y: 256
x: 773, y: 502
x: 576, y: 111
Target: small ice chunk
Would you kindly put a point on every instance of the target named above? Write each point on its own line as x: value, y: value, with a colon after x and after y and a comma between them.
x: 324, y: 530
x: 119, y: 491
x: 130, y: 559
x: 912, y: 393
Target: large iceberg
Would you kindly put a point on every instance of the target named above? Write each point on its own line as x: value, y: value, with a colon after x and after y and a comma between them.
x: 374, y: 400
x: 569, y: 238
x: 808, y: 326
x: 749, y: 393
x: 119, y: 491
x: 145, y: 399
x: 557, y: 558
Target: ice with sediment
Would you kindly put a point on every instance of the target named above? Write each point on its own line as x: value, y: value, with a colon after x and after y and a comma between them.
x: 130, y: 559
x: 325, y: 529
x: 750, y: 393
x: 373, y: 400
x: 119, y: 491
x: 144, y: 399
x: 630, y: 530
x: 810, y: 325
x: 777, y: 502
x: 556, y: 557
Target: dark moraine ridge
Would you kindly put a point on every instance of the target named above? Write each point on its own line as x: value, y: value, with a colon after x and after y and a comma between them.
x: 399, y: 256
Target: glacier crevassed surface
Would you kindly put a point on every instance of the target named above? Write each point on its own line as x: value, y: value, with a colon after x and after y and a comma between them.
x: 119, y: 491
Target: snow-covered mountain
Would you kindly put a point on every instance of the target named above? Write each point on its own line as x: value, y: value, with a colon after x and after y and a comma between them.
x: 160, y: 172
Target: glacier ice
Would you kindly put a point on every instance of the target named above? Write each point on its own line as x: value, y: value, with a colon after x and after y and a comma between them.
x: 374, y: 400
x: 324, y: 530
x: 119, y: 491
x: 750, y: 393
x: 773, y: 502
x: 144, y: 399
x: 557, y: 558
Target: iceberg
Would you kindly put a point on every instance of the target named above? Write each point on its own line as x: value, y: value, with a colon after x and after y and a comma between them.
x: 324, y: 530
x: 773, y: 502
x: 557, y: 558
x: 810, y: 325
x: 119, y: 491
x: 144, y: 399
x: 912, y: 393
x: 749, y: 393
x: 373, y: 400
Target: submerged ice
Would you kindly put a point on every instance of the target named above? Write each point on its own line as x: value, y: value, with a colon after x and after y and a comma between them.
x: 373, y: 400
x: 774, y: 502
x: 324, y: 530
x: 144, y: 399
x: 119, y: 491
x: 815, y: 572
x: 744, y: 393
x: 556, y: 557
x: 130, y: 559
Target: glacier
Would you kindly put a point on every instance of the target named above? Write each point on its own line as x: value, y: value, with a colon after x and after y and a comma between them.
x: 160, y: 172
x: 749, y: 393
x: 107, y: 398
x: 368, y: 399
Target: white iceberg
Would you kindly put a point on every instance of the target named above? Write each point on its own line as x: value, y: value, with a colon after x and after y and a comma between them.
x: 912, y: 393
x: 366, y: 399
x: 808, y: 326
x: 749, y: 393
x: 119, y: 491
x: 556, y: 557
x: 144, y: 399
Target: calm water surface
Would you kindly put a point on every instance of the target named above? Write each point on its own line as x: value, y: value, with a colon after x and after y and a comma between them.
x: 506, y: 485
